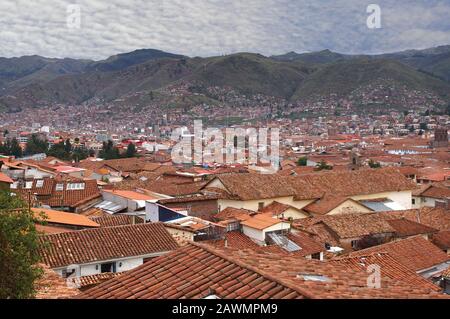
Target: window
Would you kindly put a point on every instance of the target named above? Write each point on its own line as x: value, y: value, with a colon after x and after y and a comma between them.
x: 413, y: 201
x: 59, y: 187
x: 108, y: 267
x: 66, y: 273
x: 29, y: 184
x: 14, y: 185
x: 75, y: 186
x: 315, y: 256
x: 260, y: 205
x: 39, y: 183
x: 354, y: 243
x: 234, y: 225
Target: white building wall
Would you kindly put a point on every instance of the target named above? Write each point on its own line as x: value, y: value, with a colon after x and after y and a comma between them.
x: 151, y: 212
x: 87, y: 270
x: 254, y: 204
x: 260, y: 235
x: 94, y: 269
x: 403, y: 197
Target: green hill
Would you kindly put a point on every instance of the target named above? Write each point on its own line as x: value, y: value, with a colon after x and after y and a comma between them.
x: 343, y: 77
x: 34, y: 81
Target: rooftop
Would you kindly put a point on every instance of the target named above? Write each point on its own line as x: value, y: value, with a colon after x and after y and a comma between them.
x: 416, y: 253
x: 104, y: 243
x: 197, y: 271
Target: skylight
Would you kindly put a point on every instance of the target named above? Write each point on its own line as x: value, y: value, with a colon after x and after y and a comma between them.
x: 313, y: 277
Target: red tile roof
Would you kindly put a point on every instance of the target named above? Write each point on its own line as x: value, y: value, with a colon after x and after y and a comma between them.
x: 234, y: 213
x: 277, y: 208
x: 52, y: 286
x: 197, y: 271
x: 261, y: 221
x: 234, y: 240
x: 438, y: 218
x: 116, y: 220
x: 389, y: 267
x: 63, y: 218
x: 5, y: 179
x: 86, y: 282
x: 49, y: 194
x: 309, y: 186
x: 416, y: 253
x: 433, y: 191
x: 442, y: 239
x: 327, y: 203
x: 104, y: 243
x: 129, y: 194
x: 404, y: 227
x: 348, y: 225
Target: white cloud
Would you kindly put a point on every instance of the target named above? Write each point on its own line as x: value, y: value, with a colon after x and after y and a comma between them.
x: 202, y: 27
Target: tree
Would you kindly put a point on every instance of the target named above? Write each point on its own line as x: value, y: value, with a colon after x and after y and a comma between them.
x: 68, y: 146
x: 373, y: 164
x: 35, y: 145
x: 131, y: 150
x: 302, y: 161
x: 322, y: 165
x: 423, y: 126
x: 79, y: 153
x: 59, y: 151
x: 109, y: 151
x: 11, y: 147
x: 18, y: 249
x: 15, y: 148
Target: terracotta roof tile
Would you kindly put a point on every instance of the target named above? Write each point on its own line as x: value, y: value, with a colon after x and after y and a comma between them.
x: 404, y: 227
x: 348, y: 225
x: 5, y: 179
x: 277, y: 208
x: 261, y: 221
x: 49, y: 193
x: 438, y: 218
x: 234, y: 213
x: 246, y: 274
x: 52, y: 286
x: 416, y: 253
x: 116, y: 220
x: 309, y: 186
x: 442, y: 239
x: 389, y: 267
x: 104, y: 243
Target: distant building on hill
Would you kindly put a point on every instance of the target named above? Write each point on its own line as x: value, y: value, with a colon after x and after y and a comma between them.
x: 440, y: 137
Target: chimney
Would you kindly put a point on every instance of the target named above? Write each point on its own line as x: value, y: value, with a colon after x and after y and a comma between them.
x: 226, y: 243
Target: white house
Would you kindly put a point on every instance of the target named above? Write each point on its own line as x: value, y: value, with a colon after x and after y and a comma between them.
x: 255, y: 191
x: 105, y: 249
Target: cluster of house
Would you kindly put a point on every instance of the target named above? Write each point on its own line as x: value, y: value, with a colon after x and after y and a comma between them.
x: 131, y: 228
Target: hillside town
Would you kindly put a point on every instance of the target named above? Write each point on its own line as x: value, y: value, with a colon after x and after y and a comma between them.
x: 351, y: 198
x: 213, y: 159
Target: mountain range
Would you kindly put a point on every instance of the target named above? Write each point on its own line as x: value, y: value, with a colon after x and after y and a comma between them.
x: 35, y: 81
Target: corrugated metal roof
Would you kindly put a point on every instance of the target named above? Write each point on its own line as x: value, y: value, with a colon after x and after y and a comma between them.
x: 110, y: 207
x: 284, y: 242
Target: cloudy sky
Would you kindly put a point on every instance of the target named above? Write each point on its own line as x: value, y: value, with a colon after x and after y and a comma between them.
x: 214, y: 27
